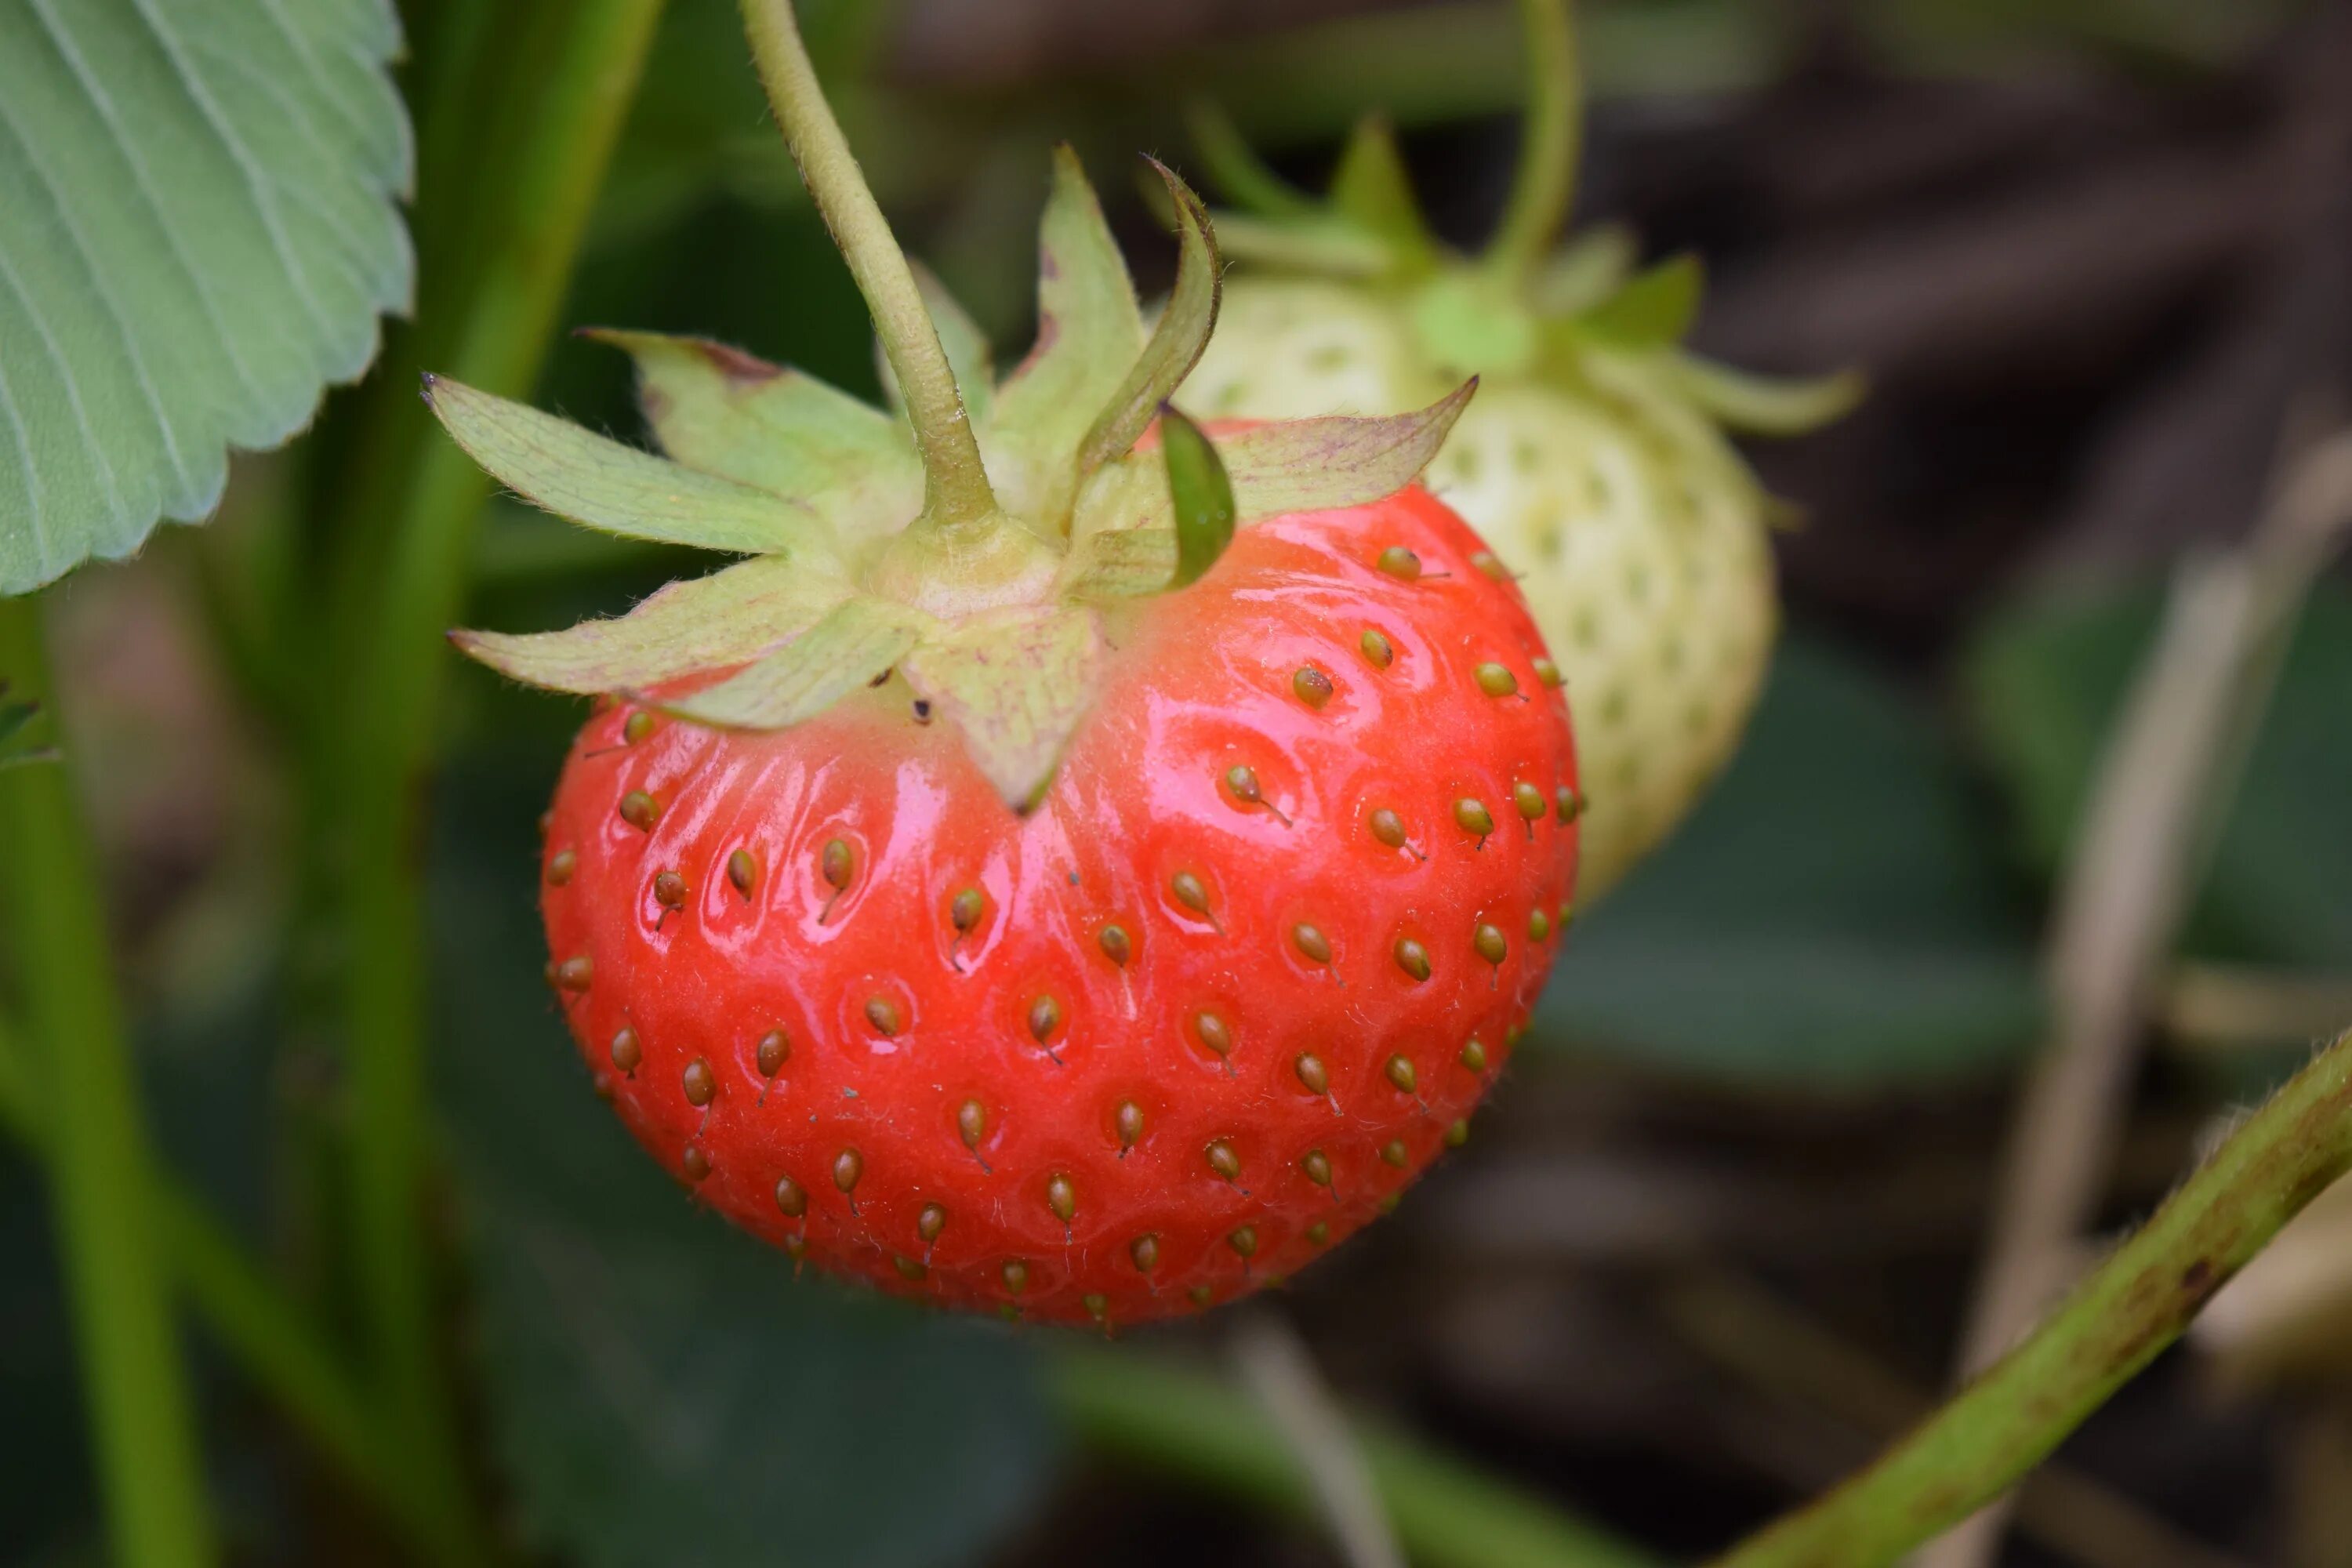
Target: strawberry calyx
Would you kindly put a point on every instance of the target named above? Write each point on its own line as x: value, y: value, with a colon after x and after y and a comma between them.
x: 976, y: 546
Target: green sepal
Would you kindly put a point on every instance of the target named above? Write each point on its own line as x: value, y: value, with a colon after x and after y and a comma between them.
x: 1323, y: 243
x: 1653, y: 309
x: 1372, y: 189
x: 1769, y: 405
x: 1321, y: 465
x: 1089, y: 330
x: 730, y: 617
x: 1185, y: 324
x: 857, y: 641
x: 1122, y: 533
x: 1015, y: 682
x: 600, y: 483
x: 960, y: 339
x: 1585, y: 270
x: 736, y: 416
x: 15, y: 719
x: 1202, y: 494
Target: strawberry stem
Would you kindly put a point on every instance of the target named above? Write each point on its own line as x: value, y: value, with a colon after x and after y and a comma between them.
x: 956, y: 488
x: 1545, y: 182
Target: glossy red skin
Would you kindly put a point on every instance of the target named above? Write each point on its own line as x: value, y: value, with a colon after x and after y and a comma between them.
x: 1203, y: 680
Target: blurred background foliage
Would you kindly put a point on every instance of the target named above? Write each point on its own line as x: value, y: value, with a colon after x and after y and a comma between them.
x: 2097, y: 257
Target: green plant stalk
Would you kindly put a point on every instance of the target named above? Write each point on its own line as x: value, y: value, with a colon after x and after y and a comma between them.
x: 2115, y: 1323
x: 1552, y: 139
x: 279, y: 1348
x: 956, y: 489
x: 388, y: 712
x: 142, y: 1421
x: 1446, y: 1513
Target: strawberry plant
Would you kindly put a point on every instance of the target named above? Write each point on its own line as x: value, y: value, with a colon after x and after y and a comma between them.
x: 1090, y: 843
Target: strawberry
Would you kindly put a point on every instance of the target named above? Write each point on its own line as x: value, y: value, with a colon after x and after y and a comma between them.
x: 1594, y: 460
x: 1017, y: 885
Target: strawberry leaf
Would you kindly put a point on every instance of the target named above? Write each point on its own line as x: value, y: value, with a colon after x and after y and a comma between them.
x: 731, y: 414
x: 730, y: 617
x: 1319, y: 465
x: 1202, y: 496
x: 1015, y: 682
x: 856, y: 641
x: 1176, y: 342
x: 1653, y: 309
x: 601, y: 483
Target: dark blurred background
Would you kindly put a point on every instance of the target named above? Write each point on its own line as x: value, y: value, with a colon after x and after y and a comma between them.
x: 1718, y: 1234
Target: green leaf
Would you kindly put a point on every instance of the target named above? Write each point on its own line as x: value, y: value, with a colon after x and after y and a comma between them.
x: 1015, y: 682
x: 1201, y: 492
x: 1373, y: 189
x: 1089, y: 331
x: 1769, y: 405
x: 2043, y: 683
x: 197, y: 232
x: 597, y: 481
x: 857, y: 640
x: 731, y: 616
x: 1833, y: 916
x: 1190, y: 316
x: 659, y: 1389
x: 728, y: 413
x: 1653, y: 309
x: 1320, y: 464
x: 961, y: 340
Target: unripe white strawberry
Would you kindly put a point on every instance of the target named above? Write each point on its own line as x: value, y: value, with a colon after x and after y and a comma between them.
x: 1593, y: 461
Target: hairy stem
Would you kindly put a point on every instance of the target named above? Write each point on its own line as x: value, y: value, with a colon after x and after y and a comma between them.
x: 1551, y: 142
x: 2115, y: 1323
x: 384, y: 743
x: 956, y: 489
x: 141, y: 1419
x: 1446, y: 1513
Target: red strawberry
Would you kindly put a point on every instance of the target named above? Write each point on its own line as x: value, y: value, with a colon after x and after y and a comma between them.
x: 1172, y: 1034
x: 964, y: 896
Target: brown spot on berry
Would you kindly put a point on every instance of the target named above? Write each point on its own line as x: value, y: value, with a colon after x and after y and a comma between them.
x: 1243, y: 1239
x: 701, y: 1084
x: 546, y: 824
x: 1193, y: 894
x: 1316, y: 1166
x: 1129, y: 1122
x: 1243, y: 782
x: 882, y: 1014
x: 1400, y: 1072
x: 1061, y: 1196
x: 1311, y: 1072
x: 695, y: 1163
x: 1474, y: 1056
x: 1496, y: 679
x: 636, y: 727
x: 1529, y: 802
x: 1490, y: 944
x: 626, y: 1052
x: 1413, y: 958
x: 910, y: 1269
x: 847, y: 1166
x: 1311, y: 686
x: 1144, y: 1252
x: 1200, y: 1296
x: 1457, y: 1133
x: 1223, y: 1160
x: 640, y: 810
x: 1399, y: 563
x: 1539, y: 925
x: 1388, y: 828
x: 771, y: 1053
x: 963, y: 911
x: 972, y: 1123
x: 1017, y: 1276
x: 1376, y: 650
x: 930, y: 1221
x: 1393, y: 1152
x: 743, y: 871
x: 1044, y: 1018
x: 1547, y: 672
x: 669, y: 890
x: 575, y: 973
x: 1317, y: 1234
x: 1214, y: 1033
x: 559, y: 866
x: 1096, y: 1303
x: 1487, y: 563
x: 1312, y: 942
x: 1569, y: 804
x: 791, y: 1198
x: 1115, y: 945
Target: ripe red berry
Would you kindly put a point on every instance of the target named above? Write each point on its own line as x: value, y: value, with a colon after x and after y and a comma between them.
x: 1187, y: 1010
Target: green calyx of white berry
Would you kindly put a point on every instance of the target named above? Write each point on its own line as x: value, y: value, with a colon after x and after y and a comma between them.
x: 969, y: 544
x: 1524, y: 306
